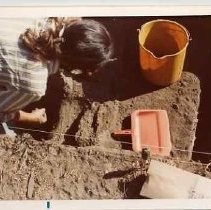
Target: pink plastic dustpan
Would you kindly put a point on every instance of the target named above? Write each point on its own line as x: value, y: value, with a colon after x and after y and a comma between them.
x: 150, y: 129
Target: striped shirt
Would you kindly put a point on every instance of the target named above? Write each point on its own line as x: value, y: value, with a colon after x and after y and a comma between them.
x: 22, y: 80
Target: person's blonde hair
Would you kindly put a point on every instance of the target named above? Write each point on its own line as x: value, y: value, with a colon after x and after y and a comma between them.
x: 44, y: 40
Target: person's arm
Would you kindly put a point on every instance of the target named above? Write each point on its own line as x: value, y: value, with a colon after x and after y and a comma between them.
x: 11, y: 104
x: 36, y: 116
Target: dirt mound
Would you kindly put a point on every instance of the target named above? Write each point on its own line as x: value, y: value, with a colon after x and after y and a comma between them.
x: 90, y: 110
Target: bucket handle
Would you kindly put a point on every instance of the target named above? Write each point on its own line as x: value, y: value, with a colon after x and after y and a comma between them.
x: 189, y: 36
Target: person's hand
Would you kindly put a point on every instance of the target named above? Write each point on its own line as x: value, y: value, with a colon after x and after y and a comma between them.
x: 39, y: 115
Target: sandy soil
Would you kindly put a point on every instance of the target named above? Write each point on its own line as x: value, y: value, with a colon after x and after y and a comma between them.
x: 92, y: 110
x: 35, y: 170
x: 45, y: 170
x: 78, y: 158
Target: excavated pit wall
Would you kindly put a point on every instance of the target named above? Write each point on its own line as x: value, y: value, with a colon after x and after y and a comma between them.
x: 90, y: 110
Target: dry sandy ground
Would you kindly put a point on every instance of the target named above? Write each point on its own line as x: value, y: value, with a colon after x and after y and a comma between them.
x: 79, y: 158
x: 42, y: 170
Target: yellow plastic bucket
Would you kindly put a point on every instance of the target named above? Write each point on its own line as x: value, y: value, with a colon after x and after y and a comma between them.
x: 162, y: 51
